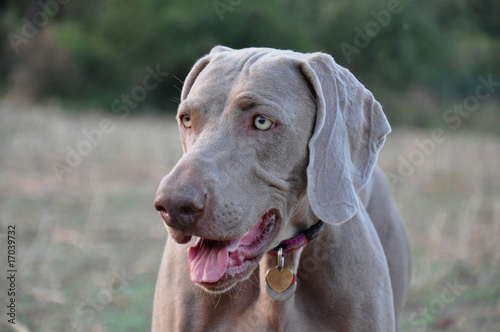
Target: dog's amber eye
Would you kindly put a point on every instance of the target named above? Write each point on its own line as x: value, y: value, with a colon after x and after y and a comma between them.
x: 262, y: 123
x: 186, y: 121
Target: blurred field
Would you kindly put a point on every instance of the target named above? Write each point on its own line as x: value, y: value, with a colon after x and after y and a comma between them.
x: 89, y: 243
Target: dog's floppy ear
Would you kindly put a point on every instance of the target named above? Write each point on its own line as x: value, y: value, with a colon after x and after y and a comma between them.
x: 197, y: 69
x: 220, y: 48
x: 349, y: 131
x: 193, y: 75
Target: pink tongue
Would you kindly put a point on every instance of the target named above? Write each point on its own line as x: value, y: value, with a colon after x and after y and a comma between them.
x: 207, y: 263
x: 208, y: 260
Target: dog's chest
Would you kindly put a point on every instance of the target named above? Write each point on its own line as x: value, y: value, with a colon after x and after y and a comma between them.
x: 266, y: 318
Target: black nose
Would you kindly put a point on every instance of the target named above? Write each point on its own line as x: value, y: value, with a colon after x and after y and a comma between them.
x: 181, y: 206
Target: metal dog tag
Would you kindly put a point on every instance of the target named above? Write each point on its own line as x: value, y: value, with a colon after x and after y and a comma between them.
x: 280, y: 281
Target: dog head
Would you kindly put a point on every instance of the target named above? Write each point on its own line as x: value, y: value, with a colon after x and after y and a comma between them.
x: 272, y: 139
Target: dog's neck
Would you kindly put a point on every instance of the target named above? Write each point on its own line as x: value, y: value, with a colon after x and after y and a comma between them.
x: 302, y: 220
x: 305, y: 267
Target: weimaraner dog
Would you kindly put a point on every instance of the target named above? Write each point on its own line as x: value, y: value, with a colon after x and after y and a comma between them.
x: 278, y: 218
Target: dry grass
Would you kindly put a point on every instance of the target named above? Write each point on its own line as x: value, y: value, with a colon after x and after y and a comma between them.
x: 79, y: 235
x: 451, y: 204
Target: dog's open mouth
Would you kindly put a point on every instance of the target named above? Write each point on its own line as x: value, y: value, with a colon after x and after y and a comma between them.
x: 213, y: 263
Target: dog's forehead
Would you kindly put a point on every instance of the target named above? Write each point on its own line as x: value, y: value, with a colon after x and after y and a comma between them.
x: 269, y: 75
x: 215, y: 80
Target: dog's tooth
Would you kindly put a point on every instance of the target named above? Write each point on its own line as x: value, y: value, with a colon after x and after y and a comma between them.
x: 198, y: 240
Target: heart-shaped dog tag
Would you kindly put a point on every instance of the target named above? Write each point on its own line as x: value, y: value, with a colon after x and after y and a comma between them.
x: 279, y: 279
x: 280, y: 283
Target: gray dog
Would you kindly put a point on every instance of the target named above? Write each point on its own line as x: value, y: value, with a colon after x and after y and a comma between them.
x: 287, y: 222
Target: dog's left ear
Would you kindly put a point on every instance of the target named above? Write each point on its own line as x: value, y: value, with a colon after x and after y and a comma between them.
x: 350, y: 129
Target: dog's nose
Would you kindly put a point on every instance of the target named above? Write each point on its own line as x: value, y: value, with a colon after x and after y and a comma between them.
x: 181, y: 207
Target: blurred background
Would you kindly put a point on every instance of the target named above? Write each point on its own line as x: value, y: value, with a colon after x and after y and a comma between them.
x: 88, y: 94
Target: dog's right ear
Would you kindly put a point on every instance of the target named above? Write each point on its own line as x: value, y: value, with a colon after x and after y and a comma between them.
x: 198, y: 68
x: 193, y: 75
x: 219, y: 48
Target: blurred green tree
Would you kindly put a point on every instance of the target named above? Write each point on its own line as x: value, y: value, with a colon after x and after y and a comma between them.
x: 395, y: 47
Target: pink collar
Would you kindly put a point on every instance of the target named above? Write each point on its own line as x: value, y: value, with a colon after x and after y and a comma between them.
x: 299, y: 241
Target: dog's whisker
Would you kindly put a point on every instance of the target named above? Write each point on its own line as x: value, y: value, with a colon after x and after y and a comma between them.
x: 218, y: 301
x: 254, y: 282
x: 237, y: 290
x: 233, y: 293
